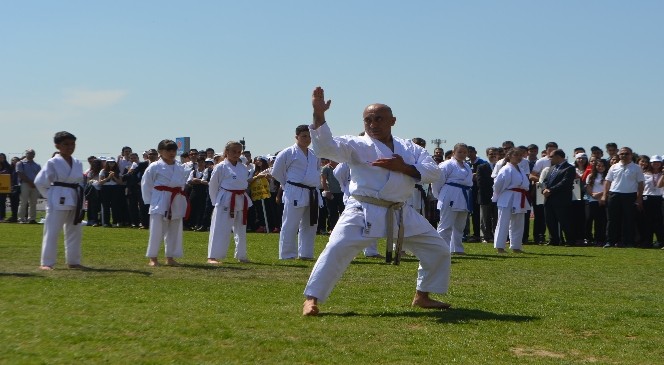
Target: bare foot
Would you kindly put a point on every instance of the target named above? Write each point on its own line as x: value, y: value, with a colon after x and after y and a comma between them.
x: 500, y: 250
x: 78, y: 266
x: 214, y: 262
x: 310, y: 307
x: 171, y: 262
x: 423, y: 300
x: 46, y: 268
x: 153, y: 262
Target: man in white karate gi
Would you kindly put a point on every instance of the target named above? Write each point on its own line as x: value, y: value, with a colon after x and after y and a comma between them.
x: 297, y: 168
x: 384, y: 170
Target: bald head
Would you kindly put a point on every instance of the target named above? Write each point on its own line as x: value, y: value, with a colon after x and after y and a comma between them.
x: 377, y: 107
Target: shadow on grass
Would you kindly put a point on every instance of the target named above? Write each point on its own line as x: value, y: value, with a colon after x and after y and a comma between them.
x: 21, y: 274
x: 102, y: 270
x: 282, y: 263
x: 454, y: 315
x: 558, y: 254
x: 211, y: 267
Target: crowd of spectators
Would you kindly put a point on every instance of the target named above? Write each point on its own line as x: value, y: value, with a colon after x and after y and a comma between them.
x: 616, y: 198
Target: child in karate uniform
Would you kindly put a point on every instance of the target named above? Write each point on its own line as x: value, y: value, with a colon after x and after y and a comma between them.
x: 227, y: 188
x: 61, y: 181
x: 162, y: 187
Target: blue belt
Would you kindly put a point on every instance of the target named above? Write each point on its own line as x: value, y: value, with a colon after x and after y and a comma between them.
x: 467, y: 194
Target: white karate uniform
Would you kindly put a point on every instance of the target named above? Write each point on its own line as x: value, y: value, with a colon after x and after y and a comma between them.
x: 342, y: 174
x: 362, y: 223
x: 293, y: 165
x: 510, y: 212
x: 60, y: 209
x: 225, y: 177
x: 160, y: 173
x: 452, y: 202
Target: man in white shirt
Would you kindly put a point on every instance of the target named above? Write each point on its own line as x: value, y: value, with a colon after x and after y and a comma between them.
x: 623, y: 189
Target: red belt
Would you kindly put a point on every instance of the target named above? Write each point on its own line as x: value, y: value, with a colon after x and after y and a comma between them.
x: 174, y: 192
x: 245, y: 210
x: 524, y: 195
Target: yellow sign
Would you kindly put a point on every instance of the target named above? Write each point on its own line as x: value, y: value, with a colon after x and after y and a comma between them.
x: 5, y: 184
x: 260, y: 189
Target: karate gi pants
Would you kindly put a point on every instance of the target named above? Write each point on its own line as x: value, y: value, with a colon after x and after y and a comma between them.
x: 294, y: 219
x: 512, y: 224
x: 346, y: 241
x: 220, y: 232
x: 57, y: 220
x: 450, y: 228
x: 169, y: 231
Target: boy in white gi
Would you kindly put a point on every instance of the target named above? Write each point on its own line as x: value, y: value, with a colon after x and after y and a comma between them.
x: 61, y: 181
x: 228, y: 193
x: 162, y: 187
x: 298, y: 171
x: 384, y: 170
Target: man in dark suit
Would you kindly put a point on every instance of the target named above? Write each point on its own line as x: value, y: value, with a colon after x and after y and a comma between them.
x: 558, y: 193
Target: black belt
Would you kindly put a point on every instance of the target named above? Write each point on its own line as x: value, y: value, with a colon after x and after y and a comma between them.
x: 313, y: 198
x: 424, y: 199
x: 79, y: 201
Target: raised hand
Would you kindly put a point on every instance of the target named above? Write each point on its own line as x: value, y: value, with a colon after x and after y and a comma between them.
x: 319, y: 105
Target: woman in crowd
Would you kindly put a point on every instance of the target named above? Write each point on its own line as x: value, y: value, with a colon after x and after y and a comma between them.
x: 5, y: 169
x: 596, y: 212
x: 92, y: 192
x: 510, y: 192
x: 111, y: 192
x: 578, y: 208
x: 454, y: 197
x: 650, y: 219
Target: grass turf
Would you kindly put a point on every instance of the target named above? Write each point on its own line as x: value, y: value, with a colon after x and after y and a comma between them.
x: 552, y: 305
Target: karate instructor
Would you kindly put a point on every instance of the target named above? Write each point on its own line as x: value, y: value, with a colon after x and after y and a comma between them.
x: 384, y: 170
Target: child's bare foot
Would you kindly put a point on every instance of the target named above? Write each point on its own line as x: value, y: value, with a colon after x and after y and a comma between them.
x: 500, y: 250
x: 46, y: 268
x: 243, y: 261
x: 171, y: 262
x: 214, y: 262
x: 423, y: 300
x: 310, y: 307
x: 153, y: 262
x: 78, y: 266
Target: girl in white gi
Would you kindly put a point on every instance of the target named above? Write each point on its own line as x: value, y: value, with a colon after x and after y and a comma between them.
x: 454, y: 197
x: 61, y: 181
x: 162, y: 187
x: 510, y: 192
x: 228, y: 187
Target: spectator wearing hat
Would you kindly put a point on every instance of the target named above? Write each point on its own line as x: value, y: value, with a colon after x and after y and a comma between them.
x: 198, y: 186
x: 578, y: 207
x: 27, y: 169
x: 623, y: 188
x: 650, y: 218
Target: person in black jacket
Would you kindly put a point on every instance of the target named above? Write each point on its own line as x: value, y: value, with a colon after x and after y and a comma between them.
x: 558, y: 193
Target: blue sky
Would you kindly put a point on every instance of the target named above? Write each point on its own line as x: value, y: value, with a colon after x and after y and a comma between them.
x: 118, y: 73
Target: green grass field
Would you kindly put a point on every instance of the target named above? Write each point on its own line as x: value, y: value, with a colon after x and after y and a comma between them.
x: 552, y: 305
